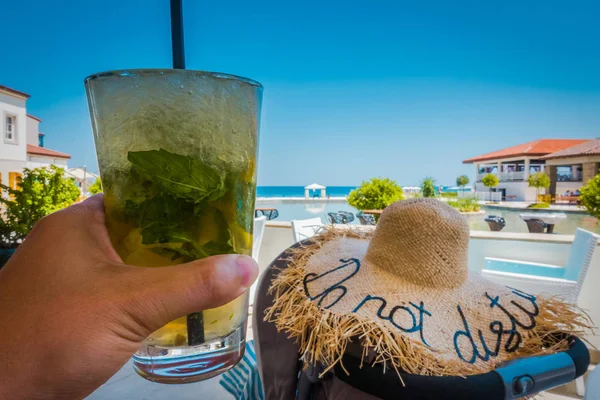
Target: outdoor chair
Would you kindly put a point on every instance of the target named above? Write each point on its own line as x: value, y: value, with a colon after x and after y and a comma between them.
x: 536, y: 225
x: 535, y: 278
x: 269, y: 214
x: 305, y: 228
x: 347, y: 217
x: 367, y: 219
x: 495, y: 223
x: 257, y: 236
x: 335, y: 218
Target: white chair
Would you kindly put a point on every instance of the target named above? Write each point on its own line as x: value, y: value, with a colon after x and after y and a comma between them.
x: 305, y: 228
x: 257, y: 236
x: 536, y: 278
x: 592, y: 386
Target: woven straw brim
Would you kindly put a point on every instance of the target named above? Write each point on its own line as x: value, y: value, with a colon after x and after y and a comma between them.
x: 422, y: 330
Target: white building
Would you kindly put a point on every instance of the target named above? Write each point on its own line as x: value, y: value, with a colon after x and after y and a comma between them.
x: 21, y: 142
x: 514, y: 164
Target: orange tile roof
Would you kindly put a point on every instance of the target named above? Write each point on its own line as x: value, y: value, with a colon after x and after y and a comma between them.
x: 42, y: 151
x: 34, y: 117
x: 540, y: 147
x: 589, y: 148
x: 14, y: 92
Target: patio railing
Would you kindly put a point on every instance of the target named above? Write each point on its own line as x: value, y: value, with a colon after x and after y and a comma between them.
x: 506, y: 176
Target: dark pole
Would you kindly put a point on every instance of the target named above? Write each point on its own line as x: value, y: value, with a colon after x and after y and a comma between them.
x: 195, y: 321
x: 177, y: 34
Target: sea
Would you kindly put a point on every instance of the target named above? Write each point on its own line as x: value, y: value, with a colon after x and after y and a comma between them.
x: 298, y: 191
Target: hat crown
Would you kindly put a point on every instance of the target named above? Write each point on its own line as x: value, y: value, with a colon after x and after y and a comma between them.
x: 424, y: 241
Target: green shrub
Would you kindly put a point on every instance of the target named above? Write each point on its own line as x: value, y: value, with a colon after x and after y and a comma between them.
x: 449, y: 195
x: 539, y: 180
x: 590, y: 196
x: 428, y: 187
x: 539, y: 205
x: 96, y: 187
x: 39, y: 192
x: 467, y: 204
x: 375, y: 194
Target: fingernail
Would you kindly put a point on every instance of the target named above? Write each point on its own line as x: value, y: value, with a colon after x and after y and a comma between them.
x: 248, y: 269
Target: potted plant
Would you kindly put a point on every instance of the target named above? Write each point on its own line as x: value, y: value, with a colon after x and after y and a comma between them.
x: 539, y: 180
x: 490, y: 181
x: 375, y: 194
x: 39, y: 192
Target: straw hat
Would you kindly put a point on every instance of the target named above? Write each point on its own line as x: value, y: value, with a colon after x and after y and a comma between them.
x: 406, y: 294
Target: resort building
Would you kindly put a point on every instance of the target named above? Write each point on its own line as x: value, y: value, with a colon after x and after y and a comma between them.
x: 21, y: 143
x: 573, y: 167
x: 514, y: 165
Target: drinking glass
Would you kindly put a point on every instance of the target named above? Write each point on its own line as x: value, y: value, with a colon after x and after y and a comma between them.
x: 177, y: 151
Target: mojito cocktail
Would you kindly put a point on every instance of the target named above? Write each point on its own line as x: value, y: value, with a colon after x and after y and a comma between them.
x: 177, y: 153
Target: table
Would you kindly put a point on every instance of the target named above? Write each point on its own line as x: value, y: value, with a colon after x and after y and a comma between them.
x: 550, y: 219
x: 568, y: 199
x: 373, y: 212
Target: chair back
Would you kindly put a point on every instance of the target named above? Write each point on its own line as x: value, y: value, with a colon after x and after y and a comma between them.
x: 257, y: 236
x: 592, y: 387
x: 367, y: 219
x: 335, y: 218
x: 580, y: 256
x: 305, y: 228
x: 347, y: 216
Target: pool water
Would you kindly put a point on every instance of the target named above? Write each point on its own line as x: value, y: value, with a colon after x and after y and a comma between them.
x: 525, y: 268
x: 310, y: 209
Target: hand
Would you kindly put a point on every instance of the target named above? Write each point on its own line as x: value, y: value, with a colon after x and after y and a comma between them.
x: 71, y: 313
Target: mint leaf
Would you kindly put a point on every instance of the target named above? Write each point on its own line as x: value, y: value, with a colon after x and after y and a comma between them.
x: 181, y: 176
x: 163, y: 218
x: 190, y: 251
x: 195, y: 252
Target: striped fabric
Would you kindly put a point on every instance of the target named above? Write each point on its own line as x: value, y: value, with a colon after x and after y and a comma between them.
x: 243, y: 380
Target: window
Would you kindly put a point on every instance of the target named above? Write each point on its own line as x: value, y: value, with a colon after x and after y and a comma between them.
x: 10, y: 128
x: 13, y: 179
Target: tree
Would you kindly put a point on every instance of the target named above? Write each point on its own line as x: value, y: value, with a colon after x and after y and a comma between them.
x: 375, y: 194
x: 40, y: 192
x: 462, y: 181
x: 590, y: 196
x: 96, y: 187
x: 428, y: 187
x: 538, y: 180
x: 490, y: 181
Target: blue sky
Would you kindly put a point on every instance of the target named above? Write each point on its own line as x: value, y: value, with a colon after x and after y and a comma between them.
x: 352, y: 89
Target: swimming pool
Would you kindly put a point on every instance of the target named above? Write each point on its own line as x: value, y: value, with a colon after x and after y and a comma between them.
x: 309, y: 209
x: 526, y: 268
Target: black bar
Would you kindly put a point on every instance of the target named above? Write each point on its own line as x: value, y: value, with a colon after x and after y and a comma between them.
x: 195, y: 328
x: 177, y: 34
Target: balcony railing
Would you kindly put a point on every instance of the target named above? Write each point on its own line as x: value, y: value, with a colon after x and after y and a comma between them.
x: 506, y: 176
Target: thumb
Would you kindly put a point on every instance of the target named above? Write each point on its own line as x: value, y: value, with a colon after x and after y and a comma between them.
x: 167, y: 293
